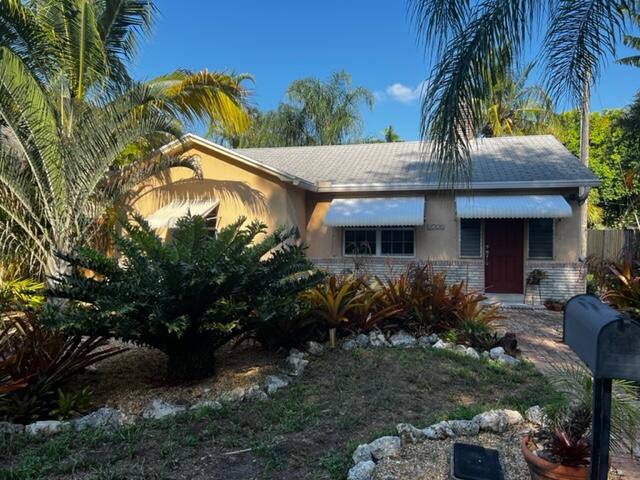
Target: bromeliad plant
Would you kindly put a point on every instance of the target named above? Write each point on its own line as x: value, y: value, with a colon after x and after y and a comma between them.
x: 623, y: 286
x: 336, y: 300
x: 186, y: 297
x: 35, y: 365
x: 565, y: 437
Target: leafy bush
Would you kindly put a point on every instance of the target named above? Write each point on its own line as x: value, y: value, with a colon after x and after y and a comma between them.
x: 622, y: 289
x: 71, y: 404
x: 35, y: 364
x: 18, y: 293
x: 335, y: 301
x: 289, y: 331
x: 416, y: 300
x: 188, y: 296
x: 430, y: 305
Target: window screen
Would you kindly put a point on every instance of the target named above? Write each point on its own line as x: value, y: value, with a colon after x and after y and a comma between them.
x: 470, y: 238
x: 360, y: 242
x: 396, y: 241
x: 541, y: 238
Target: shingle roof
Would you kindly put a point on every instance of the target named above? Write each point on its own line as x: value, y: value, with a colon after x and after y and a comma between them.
x: 506, y: 162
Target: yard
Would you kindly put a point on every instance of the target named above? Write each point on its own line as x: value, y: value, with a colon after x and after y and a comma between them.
x: 307, y: 430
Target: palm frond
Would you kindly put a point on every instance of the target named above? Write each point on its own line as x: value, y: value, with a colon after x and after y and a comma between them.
x: 121, y: 24
x: 580, y: 38
x: 576, y: 384
x: 476, y: 57
x: 218, y: 97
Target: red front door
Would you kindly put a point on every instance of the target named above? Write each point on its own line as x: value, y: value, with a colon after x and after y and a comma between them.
x: 504, y: 256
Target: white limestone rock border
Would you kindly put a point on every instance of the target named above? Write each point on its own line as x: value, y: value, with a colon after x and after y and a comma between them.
x: 402, y: 339
x: 367, y: 455
x: 157, y: 409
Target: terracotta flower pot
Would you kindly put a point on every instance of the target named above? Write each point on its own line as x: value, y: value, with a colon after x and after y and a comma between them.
x: 542, y: 469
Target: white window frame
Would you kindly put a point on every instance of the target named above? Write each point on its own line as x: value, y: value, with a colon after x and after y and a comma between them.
x: 378, y: 252
x: 553, y: 241
x: 481, y: 255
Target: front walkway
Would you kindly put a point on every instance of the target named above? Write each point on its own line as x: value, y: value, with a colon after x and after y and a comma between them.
x: 539, y: 334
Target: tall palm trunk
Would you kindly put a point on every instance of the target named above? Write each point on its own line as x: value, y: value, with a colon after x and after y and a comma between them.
x: 584, y: 158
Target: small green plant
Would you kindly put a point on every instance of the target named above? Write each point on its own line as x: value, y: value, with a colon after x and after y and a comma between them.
x: 536, y: 276
x: 71, y: 404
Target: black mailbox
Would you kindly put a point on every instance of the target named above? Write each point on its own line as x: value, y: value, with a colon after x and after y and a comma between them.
x: 607, y: 341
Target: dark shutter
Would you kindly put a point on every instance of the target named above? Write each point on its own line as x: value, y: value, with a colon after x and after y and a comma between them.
x: 541, y: 238
x: 470, y: 238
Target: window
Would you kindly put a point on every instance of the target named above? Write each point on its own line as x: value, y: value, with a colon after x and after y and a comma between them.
x: 379, y: 241
x: 360, y: 242
x: 541, y: 238
x: 470, y: 238
x: 396, y: 241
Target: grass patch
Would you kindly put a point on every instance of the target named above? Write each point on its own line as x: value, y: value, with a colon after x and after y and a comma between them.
x: 305, y: 431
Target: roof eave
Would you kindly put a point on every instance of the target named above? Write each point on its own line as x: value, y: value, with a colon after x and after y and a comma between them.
x: 395, y: 187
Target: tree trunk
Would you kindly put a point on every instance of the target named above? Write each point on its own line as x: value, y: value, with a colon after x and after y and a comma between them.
x: 191, y: 360
x: 584, y: 158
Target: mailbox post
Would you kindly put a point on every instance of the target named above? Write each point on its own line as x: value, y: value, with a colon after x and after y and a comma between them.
x: 608, y: 342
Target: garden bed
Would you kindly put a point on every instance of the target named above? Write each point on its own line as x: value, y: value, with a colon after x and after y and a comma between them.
x: 131, y: 380
x: 307, y: 430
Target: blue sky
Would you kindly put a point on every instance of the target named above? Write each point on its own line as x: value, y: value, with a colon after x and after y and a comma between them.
x: 279, y: 41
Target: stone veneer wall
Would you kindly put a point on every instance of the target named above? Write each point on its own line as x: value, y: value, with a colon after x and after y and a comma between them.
x: 565, y: 279
x: 469, y: 271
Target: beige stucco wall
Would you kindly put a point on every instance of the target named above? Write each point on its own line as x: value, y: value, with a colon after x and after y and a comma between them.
x: 438, y: 238
x: 241, y: 189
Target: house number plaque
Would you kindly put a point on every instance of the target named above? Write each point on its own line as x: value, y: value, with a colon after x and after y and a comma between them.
x: 435, y: 226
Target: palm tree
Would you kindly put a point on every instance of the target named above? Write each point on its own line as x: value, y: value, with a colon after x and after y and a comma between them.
x: 90, y: 44
x: 56, y: 160
x: 633, y: 42
x: 331, y: 109
x: 476, y: 43
x: 390, y: 135
x: 514, y: 107
x: 318, y: 113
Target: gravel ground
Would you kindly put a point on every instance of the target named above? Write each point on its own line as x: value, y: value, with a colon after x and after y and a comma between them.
x: 431, y: 460
x: 129, y: 381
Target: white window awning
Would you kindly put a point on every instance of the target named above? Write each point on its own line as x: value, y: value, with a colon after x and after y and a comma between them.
x: 167, y: 216
x: 375, y: 212
x: 512, y: 206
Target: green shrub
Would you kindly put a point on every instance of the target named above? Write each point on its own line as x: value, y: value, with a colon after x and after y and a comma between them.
x: 187, y: 296
x: 71, y: 404
x: 17, y: 292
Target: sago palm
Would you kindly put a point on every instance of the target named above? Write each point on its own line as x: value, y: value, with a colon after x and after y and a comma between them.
x: 56, y: 160
x: 476, y: 43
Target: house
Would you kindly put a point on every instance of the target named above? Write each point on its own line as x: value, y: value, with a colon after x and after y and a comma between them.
x: 381, y: 206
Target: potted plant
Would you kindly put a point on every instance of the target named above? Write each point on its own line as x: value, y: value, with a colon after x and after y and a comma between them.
x: 536, y: 276
x: 560, y: 449
x: 553, y: 304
